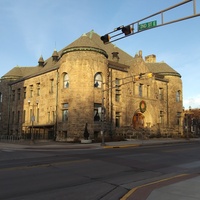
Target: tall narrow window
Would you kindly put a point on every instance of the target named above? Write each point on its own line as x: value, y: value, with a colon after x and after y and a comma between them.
x: 98, y: 80
x: 117, y: 90
x: 1, y: 97
x: 38, y: 89
x: 24, y: 92
x: 97, y: 112
x: 65, y: 112
x: 117, y: 119
x: 161, y: 117
x: 65, y: 80
x: 178, y: 96
x: 13, y: 95
x: 161, y: 94
x: 51, y: 85
x: 31, y: 90
x: 18, y: 94
x: 140, y: 90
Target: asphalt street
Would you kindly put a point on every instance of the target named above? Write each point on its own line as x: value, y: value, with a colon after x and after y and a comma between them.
x: 151, y: 169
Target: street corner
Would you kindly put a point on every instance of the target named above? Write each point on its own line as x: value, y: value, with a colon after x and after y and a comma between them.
x: 142, y: 192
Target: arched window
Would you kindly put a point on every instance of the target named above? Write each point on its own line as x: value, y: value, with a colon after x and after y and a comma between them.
x: 65, y: 80
x: 98, y: 80
x: 178, y: 96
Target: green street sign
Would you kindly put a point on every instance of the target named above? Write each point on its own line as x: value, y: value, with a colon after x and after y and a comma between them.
x: 147, y: 25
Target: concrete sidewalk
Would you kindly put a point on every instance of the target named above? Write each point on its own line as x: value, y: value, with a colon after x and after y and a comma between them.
x: 117, y: 144
x: 180, y: 187
x: 183, y: 190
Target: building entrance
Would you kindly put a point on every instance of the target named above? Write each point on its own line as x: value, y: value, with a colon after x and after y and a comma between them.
x: 138, y: 120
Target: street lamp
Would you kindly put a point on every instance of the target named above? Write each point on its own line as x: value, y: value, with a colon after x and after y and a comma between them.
x: 103, y: 111
x: 102, y: 119
x: 32, y: 118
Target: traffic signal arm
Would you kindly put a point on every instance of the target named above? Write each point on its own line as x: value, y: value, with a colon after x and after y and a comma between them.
x: 142, y: 25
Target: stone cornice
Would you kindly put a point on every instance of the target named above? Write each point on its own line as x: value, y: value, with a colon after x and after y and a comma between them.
x: 72, y: 49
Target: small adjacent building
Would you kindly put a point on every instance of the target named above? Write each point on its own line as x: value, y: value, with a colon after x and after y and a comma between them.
x: 191, y: 122
x: 90, y: 83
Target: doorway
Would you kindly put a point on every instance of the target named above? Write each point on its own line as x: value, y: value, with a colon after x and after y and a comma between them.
x: 138, y: 120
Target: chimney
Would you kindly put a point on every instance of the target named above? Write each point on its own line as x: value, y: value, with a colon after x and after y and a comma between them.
x: 150, y: 58
x: 115, y: 56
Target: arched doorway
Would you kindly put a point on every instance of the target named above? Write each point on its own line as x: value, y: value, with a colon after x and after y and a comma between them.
x: 138, y: 120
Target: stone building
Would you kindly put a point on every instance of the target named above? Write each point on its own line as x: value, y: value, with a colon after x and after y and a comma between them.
x: 89, y: 82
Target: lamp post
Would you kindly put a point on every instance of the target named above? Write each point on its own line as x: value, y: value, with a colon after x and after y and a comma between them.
x: 32, y: 118
x: 102, y: 119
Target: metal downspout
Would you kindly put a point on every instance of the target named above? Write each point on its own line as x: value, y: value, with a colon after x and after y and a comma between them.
x: 167, y: 106
x: 9, y: 109
x: 56, y: 122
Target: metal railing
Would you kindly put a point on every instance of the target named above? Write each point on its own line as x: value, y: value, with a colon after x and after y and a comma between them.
x: 24, y: 137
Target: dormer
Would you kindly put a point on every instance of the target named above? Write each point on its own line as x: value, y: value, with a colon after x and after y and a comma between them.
x: 115, y: 56
x: 41, y: 61
x: 55, y: 56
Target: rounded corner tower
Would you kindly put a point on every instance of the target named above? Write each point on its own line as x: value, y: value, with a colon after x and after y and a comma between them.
x: 83, y: 69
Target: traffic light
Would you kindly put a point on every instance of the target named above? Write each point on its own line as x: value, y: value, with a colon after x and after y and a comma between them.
x: 137, y: 78
x: 105, y: 38
x: 150, y: 75
x: 127, y: 30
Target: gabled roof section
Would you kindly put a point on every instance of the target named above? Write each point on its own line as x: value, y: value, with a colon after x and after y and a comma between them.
x: 162, y: 68
x: 19, y: 72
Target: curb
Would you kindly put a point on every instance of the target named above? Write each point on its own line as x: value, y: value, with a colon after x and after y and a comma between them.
x: 121, y: 146
x: 91, y: 146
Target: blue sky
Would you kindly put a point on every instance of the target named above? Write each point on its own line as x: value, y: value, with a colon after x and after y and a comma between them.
x: 30, y: 29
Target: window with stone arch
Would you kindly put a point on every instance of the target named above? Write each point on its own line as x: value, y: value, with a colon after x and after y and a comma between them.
x: 178, y: 96
x: 65, y: 80
x: 98, y: 80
